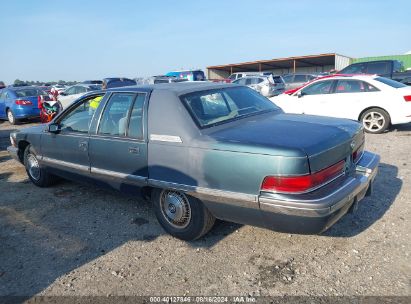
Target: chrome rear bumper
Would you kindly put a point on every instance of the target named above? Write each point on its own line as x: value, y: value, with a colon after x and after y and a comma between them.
x: 316, y: 211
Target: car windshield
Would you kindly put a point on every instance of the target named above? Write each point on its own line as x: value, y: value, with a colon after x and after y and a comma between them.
x: 390, y: 82
x: 218, y: 106
x: 29, y: 92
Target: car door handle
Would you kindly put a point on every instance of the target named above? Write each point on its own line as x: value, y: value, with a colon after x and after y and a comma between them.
x: 83, y: 145
x: 134, y: 150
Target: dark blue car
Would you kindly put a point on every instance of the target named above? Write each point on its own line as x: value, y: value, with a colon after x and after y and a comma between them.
x: 18, y: 103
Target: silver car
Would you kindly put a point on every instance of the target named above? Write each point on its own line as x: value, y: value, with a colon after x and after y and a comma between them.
x: 267, y: 86
x: 294, y: 81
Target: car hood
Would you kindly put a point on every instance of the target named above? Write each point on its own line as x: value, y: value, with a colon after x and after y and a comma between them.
x: 324, y: 140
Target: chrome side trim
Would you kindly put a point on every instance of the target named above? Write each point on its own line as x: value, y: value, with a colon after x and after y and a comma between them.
x: 60, y: 163
x: 166, y: 138
x: 134, y: 179
x: 237, y: 198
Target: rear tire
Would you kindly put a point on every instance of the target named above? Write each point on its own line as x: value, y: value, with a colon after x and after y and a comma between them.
x: 183, y: 216
x: 11, y: 118
x: 375, y: 120
x: 36, y: 173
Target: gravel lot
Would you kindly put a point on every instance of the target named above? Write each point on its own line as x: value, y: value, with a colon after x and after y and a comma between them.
x: 73, y: 239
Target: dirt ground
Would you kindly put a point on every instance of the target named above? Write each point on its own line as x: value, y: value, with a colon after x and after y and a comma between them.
x: 73, y: 239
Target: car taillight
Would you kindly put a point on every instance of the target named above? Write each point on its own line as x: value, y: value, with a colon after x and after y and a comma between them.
x: 407, y: 98
x: 22, y: 102
x: 302, y: 183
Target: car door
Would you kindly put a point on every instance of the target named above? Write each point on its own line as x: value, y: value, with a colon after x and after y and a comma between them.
x: 315, y: 98
x: 67, y: 150
x: 2, y: 104
x: 118, y: 149
x: 350, y: 97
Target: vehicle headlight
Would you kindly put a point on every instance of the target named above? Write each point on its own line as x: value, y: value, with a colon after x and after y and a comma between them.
x: 13, y: 139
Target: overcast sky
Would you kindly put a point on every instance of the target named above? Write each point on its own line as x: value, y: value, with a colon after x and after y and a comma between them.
x: 77, y: 39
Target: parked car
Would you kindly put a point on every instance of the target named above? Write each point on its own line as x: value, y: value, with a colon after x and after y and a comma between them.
x: 376, y: 101
x: 59, y: 88
x: 116, y: 82
x: 393, y: 69
x: 2, y: 85
x: 100, y: 82
x: 266, y: 85
x: 235, y: 76
x: 293, y: 81
x: 200, y: 151
x: 165, y: 79
x: 194, y: 75
x: 67, y: 96
x: 18, y: 103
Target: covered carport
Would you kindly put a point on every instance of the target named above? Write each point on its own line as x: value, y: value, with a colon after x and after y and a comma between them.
x: 279, y: 66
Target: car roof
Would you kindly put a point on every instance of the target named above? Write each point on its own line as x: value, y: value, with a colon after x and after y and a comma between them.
x: 179, y: 88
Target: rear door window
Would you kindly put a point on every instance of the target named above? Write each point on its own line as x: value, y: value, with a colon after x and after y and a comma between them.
x: 135, y: 126
x: 114, y: 119
x: 350, y: 86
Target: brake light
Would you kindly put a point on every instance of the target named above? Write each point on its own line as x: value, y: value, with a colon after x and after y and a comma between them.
x: 407, y: 98
x: 22, y: 102
x: 302, y: 183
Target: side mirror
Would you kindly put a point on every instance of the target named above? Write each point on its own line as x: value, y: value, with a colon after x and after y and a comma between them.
x: 54, y: 128
x: 300, y: 94
x: 63, y: 94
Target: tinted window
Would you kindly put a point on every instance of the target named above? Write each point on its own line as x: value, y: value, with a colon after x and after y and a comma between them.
x: 321, y: 87
x: 288, y: 78
x: 120, y: 83
x: 349, y: 86
x: 221, y: 105
x: 78, y: 119
x: 378, y: 68
x: 277, y: 79
x: 3, y: 95
x: 300, y: 78
x: 390, y: 82
x: 232, y: 76
x: 358, y: 68
x: 114, y: 119
x: 198, y: 76
x: 135, y: 128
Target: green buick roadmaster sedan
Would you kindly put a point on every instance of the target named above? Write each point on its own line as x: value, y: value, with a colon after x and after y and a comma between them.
x: 201, y: 151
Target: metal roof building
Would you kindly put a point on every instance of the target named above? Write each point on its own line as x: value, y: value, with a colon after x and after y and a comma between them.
x: 279, y: 66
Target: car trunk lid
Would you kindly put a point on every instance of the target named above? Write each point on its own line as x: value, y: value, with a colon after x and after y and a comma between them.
x: 323, y: 140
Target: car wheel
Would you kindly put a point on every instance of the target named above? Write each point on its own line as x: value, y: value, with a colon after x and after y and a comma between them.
x: 10, y: 116
x: 375, y: 120
x: 37, y: 174
x: 183, y: 216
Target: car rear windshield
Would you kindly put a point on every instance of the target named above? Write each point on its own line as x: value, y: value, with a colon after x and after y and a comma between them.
x: 213, y: 107
x: 390, y: 82
x: 277, y: 79
x: 29, y: 92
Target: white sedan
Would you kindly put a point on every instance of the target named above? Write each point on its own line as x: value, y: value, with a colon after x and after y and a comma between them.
x: 72, y: 93
x: 375, y: 101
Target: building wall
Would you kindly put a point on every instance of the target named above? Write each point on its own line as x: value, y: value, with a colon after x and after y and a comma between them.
x: 405, y: 59
x: 219, y: 74
x: 341, y: 62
